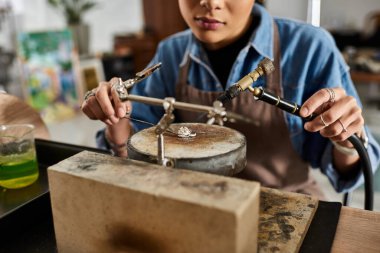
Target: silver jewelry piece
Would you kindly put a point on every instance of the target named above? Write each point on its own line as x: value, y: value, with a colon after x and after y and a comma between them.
x: 123, y: 87
x: 88, y: 94
x: 323, y: 121
x: 120, y: 89
x: 185, y: 132
x: 344, y: 128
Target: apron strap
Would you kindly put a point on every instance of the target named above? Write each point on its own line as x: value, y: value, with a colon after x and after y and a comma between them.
x: 274, y: 80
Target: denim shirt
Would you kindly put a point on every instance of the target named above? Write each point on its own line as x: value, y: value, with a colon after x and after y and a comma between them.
x: 310, y: 61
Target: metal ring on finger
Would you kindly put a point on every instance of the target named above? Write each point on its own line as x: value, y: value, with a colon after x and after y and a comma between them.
x: 89, y: 94
x: 344, y: 129
x: 332, y: 95
x: 323, y: 121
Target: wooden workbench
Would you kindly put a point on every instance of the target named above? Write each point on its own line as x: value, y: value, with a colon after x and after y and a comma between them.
x: 357, y: 231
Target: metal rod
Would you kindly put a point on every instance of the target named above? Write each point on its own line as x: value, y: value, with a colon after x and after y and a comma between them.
x: 148, y: 123
x: 188, y: 107
x: 161, y: 150
x: 176, y: 105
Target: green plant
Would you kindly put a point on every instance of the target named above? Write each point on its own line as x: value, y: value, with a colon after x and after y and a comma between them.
x: 73, y: 10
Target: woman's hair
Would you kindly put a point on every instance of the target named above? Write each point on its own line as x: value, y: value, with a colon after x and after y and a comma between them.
x: 260, y: 2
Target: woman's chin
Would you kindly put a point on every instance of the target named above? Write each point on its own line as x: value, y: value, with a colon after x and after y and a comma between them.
x: 211, y: 41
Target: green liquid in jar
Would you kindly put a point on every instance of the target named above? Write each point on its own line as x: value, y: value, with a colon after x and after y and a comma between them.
x: 18, y: 170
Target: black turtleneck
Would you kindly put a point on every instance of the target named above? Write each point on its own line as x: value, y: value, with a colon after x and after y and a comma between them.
x: 221, y: 60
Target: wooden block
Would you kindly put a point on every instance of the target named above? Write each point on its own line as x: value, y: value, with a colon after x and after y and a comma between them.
x: 285, y: 218
x: 102, y: 204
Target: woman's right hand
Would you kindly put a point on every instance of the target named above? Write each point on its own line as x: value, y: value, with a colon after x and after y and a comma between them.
x: 103, y: 103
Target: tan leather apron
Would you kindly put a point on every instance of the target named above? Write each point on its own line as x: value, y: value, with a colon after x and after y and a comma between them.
x: 271, y: 158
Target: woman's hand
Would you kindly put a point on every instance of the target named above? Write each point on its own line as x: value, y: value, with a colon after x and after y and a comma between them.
x: 102, y: 103
x: 339, y: 115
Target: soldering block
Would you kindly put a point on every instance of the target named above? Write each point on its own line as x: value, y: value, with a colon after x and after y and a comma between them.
x: 102, y: 203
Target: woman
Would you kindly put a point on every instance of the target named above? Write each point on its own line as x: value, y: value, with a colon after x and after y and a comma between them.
x: 226, y: 40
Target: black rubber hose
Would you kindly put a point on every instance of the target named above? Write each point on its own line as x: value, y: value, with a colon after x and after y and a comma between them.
x: 367, y: 171
x: 293, y: 108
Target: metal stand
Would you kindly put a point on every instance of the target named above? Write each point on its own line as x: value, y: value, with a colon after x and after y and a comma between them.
x: 216, y: 114
x: 161, y: 127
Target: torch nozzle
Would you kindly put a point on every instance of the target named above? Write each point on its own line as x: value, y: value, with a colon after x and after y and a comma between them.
x: 265, y: 67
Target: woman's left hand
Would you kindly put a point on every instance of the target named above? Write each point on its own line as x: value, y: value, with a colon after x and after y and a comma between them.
x: 338, y: 115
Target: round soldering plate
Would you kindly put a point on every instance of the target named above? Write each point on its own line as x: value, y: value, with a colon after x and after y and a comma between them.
x: 214, y: 148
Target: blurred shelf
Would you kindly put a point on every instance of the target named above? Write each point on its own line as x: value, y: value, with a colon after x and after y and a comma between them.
x: 364, y: 77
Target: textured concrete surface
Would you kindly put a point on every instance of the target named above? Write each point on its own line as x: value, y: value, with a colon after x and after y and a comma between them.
x: 102, y: 203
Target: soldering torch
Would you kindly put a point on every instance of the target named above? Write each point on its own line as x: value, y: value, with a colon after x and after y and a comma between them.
x: 266, y: 67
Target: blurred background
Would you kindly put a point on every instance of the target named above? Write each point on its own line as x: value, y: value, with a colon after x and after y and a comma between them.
x: 51, y: 53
